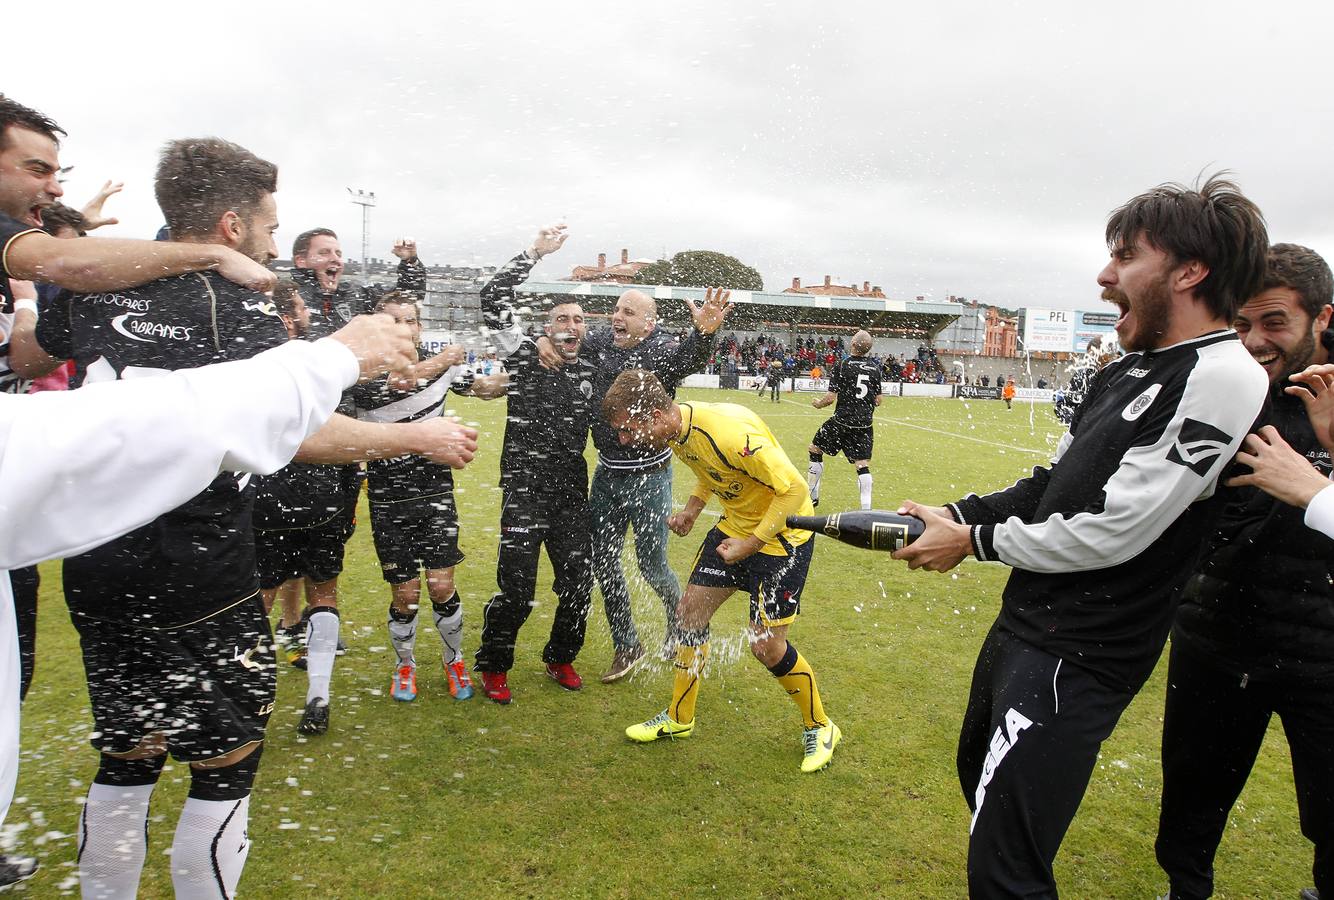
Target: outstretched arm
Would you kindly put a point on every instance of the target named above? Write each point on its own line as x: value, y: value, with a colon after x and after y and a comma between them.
x: 500, y: 314
x: 693, y: 353
x: 411, y: 271
x: 346, y: 440
x: 86, y: 265
x: 79, y: 468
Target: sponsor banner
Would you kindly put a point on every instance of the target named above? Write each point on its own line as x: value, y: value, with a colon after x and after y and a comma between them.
x: 1021, y: 394
x: 1049, y: 330
x: 927, y: 390
x: 1091, y: 324
x: 808, y: 385
x: 1034, y: 395
x: 435, y: 341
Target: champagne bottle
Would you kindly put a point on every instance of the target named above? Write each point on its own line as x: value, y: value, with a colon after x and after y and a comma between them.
x: 874, y: 529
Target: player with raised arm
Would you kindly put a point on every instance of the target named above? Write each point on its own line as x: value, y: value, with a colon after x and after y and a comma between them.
x: 295, y: 542
x: 543, y: 475
x: 317, y: 270
x: 632, y: 488
x: 854, y: 385
x: 736, y: 458
x: 414, y: 522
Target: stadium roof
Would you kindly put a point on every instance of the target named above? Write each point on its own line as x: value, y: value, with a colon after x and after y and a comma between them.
x: 754, y: 308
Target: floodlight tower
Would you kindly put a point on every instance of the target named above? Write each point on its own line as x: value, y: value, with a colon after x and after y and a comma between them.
x: 365, y: 200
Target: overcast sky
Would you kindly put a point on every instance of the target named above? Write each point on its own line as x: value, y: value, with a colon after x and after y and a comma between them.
x: 956, y: 148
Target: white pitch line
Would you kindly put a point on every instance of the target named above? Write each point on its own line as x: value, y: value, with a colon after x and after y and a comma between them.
x: 952, y: 434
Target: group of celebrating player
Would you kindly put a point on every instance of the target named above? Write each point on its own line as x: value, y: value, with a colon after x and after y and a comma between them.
x: 215, y: 509
x: 189, y: 590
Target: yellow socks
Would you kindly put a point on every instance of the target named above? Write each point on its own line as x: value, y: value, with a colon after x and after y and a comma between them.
x: 796, y: 677
x: 689, y: 668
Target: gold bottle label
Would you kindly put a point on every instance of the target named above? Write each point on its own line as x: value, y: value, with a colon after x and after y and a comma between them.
x: 888, y: 536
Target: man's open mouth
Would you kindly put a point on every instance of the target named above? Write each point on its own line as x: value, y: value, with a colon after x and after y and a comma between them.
x: 1122, y: 303
x: 1267, y: 357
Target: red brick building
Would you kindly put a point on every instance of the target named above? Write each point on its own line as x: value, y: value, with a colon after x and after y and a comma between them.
x: 828, y: 289
x: 622, y: 273
x: 1002, y: 335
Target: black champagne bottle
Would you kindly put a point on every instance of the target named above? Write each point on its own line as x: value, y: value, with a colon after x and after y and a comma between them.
x: 874, y: 529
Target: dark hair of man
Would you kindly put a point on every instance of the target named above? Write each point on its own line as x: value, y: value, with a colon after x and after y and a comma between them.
x: 394, y: 297
x: 1304, y: 271
x: 16, y: 115
x: 637, y: 392
x: 58, y: 216
x: 1214, y: 224
x: 301, y: 246
x: 284, y: 297
x: 200, y: 179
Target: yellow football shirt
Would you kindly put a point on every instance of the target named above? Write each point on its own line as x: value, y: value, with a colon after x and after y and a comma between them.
x: 735, y: 458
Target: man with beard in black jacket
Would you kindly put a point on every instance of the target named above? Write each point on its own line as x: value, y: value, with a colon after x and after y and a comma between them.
x: 632, y: 487
x: 1254, y: 635
x: 543, y: 476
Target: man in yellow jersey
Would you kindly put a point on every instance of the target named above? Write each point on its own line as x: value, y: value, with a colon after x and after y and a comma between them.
x: 735, y: 457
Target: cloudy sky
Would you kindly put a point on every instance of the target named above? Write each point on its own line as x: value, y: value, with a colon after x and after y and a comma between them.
x: 956, y: 148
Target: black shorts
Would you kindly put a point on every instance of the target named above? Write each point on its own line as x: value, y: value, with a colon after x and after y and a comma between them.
x: 774, y: 582
x: 286, y: 553
x: 416, y: 534
x: 208, y: 684
x: 834, y: 438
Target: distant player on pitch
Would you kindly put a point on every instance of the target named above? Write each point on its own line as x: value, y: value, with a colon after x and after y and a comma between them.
x: 855, y: 384
x: 734, y: 456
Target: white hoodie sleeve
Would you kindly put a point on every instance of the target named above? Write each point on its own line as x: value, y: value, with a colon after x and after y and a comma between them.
x: 79, y: 468
x: 1320, y: 512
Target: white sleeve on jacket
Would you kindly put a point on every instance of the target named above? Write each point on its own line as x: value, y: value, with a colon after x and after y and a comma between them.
x: 1320, y: 512
x: 78, y: 468
x: 1148, y: 492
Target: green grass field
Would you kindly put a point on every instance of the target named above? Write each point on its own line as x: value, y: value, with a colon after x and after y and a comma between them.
x: 546, y: 798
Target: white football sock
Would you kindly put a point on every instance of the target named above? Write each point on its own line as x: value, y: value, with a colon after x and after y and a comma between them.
x: 864, y: 486
x: 321, y: 646
x: 403, y: 636
x: 450, y: 626
x: 210, y: 848
x: 113, y: 839
x: 813, y: 479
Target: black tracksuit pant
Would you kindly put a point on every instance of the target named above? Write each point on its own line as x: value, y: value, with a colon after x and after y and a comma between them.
x: 1028, y: 745
x: 528, y: 520
x: 1213, y: 726
x: 24, y: 584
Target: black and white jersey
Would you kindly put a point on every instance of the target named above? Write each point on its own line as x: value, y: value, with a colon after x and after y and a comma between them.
x: 409, y: 477
x: 10, y: 382
x: 1100, y: 539
x: 10, y: 229
x: 200, y: 557
x: 856, y: 383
